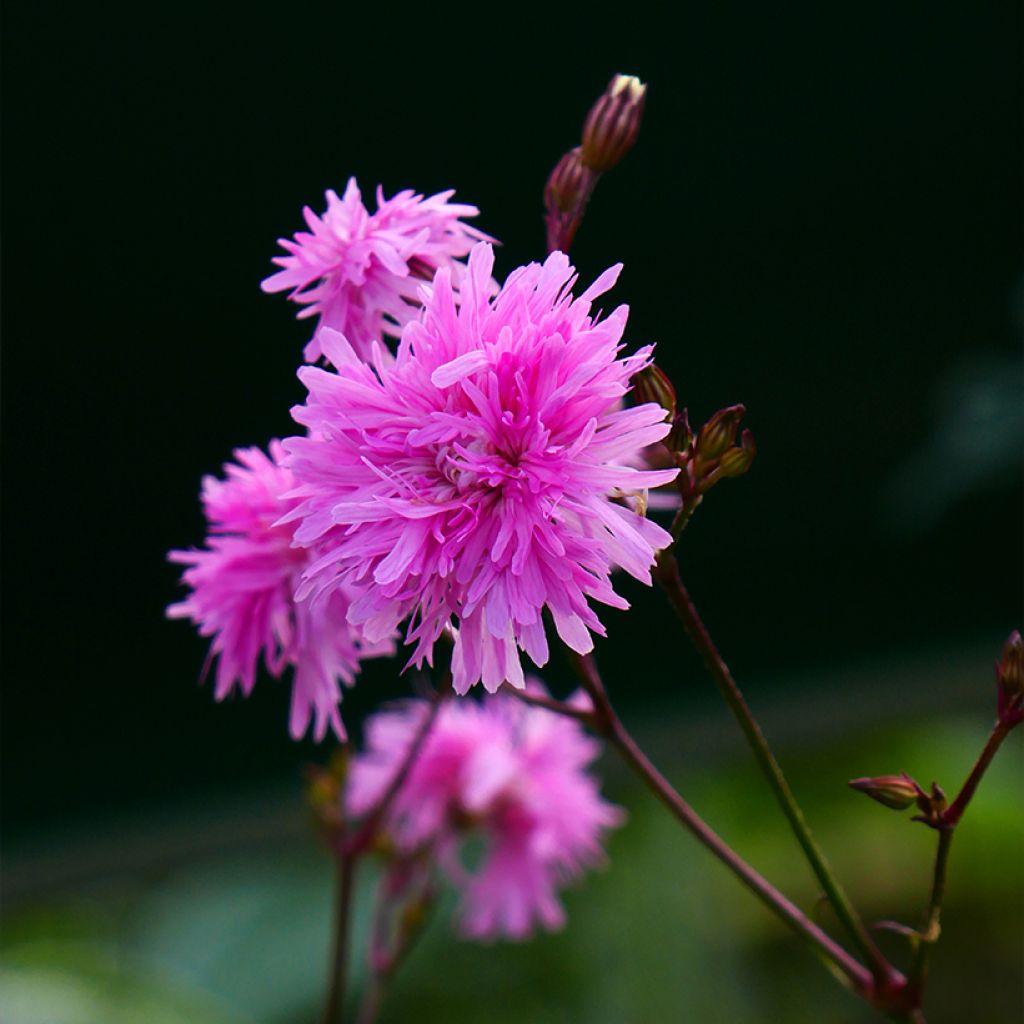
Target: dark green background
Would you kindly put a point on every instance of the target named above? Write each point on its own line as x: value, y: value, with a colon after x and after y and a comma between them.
x: 822, y: 220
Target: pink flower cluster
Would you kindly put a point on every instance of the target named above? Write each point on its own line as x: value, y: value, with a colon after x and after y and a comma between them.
x: 243, y: 595
x: 484, y: 475
x: 359, y: 271
x: 515, y: 775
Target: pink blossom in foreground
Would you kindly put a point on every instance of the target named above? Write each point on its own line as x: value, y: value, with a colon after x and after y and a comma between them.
x: 242, y: 587
x: 359, y: 271
x: 514, y: 774
x: 481, y: 477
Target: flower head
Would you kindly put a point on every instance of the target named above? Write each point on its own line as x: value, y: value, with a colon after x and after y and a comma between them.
x: 482, y: 477
x: 515, y: 775
x: 242, y: 594
x: 359, y: 271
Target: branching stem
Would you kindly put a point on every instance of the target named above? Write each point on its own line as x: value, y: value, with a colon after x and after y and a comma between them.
x: 667, y: 575
x: 609, y: 724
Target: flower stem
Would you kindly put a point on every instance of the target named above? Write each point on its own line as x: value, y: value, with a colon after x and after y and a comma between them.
x: 560, y: 707
x: 367, y: 831
x: 667, y: 574
x: 349, y: 847
x: 929, y: 934
x: 385, y: 962
x: 952, y: 815
x: 334, y: 1002
x: 611, y: 726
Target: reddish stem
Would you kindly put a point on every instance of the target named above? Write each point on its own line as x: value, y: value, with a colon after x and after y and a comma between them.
x: 611, y: 726
x: 952, y: 815
x: 337, y: 975
x: 367, y: 831
x: 560, y: 707
x: 667, y: 574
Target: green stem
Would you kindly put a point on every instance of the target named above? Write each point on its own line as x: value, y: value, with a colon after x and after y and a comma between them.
x: 667, y: 574
x: 929, y: 934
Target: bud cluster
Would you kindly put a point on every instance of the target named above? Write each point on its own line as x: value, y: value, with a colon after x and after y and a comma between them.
x: 707, y: 457
x: 609, y: 133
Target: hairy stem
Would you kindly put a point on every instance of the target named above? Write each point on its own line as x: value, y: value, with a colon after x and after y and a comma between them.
x: 611, y: 726
x: 667, y: 575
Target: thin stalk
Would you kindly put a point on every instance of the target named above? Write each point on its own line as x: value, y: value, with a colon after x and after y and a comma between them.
x: 611, y: 726
x: 560, y: 707
x: 929, y: 934
x: 385, y: 963
x: 667, y: 574
x: 337, y: 973
x: 956, y: 809
x: 348, y: 849
x: 367, y: 831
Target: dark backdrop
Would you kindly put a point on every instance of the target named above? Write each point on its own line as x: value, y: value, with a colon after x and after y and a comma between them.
x: 822, y: 220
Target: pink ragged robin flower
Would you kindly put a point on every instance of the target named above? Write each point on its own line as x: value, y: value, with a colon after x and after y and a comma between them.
x: 513, y: 774
x: 358, y: 272
x: 484, y: 476
x: 242, y: 595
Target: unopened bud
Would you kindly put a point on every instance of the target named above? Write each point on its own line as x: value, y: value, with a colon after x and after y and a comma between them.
x: 719, y: 433
x: 680, y: 437
x: 1010, y: 675
x: 736, y: 461
x: 652, y: 386
x: 895, y: 791
x: 568, y: 184
x: 932, y: 806
x: 613, y: 123
x: 1011, y: 665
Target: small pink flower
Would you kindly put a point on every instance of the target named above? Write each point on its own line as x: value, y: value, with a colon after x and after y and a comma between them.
x: 242, y: 586
x: 515, y: 774
x: 359, y: 272
x: 483, y: 476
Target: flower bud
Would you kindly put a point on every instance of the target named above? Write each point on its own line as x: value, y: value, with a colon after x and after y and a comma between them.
x: 895, y: 791
x: 613, y: 123
x: 1011, y: 666
x: 1010, y: 677
x: 680, y: 437
x: 568, y: 184
x: 932, y: 806
x: 719, y: 433
x: 736, y: 461
x: 651, y: 385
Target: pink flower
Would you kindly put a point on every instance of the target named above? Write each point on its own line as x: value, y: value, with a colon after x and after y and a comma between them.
x: 242, y: 586
x: 483, y: 476
x: 359, y: 272
x: 512, y: 773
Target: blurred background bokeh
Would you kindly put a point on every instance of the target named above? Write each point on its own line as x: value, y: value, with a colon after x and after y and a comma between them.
x: 822, y: 219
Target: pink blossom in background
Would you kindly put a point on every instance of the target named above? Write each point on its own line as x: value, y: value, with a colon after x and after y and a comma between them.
x: 515, y: 774
x: 359, y: 271
x: 482, y: 476
x: 242, y: 586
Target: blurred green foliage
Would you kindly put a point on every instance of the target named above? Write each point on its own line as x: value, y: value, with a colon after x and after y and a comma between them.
x: 662, y: 934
